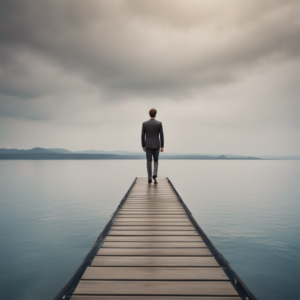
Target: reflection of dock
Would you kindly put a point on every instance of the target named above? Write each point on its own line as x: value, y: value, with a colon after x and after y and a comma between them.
x: 152, y: 248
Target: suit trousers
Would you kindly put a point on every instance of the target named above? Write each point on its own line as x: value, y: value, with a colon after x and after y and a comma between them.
x: 149, y: 154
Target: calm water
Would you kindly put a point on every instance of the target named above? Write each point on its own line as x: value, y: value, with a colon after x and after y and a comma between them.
x: 52, y: 212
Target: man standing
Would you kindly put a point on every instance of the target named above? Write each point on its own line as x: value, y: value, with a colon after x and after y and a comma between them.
x: 151, y: 143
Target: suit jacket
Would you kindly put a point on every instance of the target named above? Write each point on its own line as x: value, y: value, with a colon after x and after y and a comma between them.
x: 151, y: 129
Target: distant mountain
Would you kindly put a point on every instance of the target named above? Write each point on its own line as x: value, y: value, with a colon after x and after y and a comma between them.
x: 10, y: 151
x: 39, y: 150
x: 60, y: 150
x: 60, y: 153
x: 33, y: 150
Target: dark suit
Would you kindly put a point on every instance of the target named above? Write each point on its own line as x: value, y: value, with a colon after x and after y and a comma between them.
x: 152, y: 140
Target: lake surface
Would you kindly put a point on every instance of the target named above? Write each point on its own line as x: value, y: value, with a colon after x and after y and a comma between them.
x: 52, y: 212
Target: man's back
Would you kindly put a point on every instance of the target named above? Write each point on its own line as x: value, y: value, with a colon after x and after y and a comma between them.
x: 152, y: 145
x: 152, y: 129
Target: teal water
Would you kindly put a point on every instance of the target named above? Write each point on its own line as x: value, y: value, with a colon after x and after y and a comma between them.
x: 52, y: 212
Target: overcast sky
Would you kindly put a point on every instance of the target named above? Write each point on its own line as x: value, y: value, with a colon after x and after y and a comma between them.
x: 223, y: 75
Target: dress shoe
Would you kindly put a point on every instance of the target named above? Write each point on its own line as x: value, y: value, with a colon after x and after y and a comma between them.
x: 154, y: 178
x: 149, y: 180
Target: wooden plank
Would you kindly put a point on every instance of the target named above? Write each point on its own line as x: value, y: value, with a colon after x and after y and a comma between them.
x: 154, y: 261
x: 160, y: 189
x: 134, y: 297
x: 152, y: 200
x: 145, y: 207
x: 149, y: 223
x: 123, y: 213
x: 152, y: 232
x: 153, y: 227
x: 158, y: 216
x: 153, y: 219
x: 152, y: 209
x: 169, y: 220
x: 153, y: 244
x: 130, y: 211
x: 144, y: 190
x: 152, y: 205
x: 154, y: 273
x: 153, y: 191
x: 107, y: 287
x: 155, y: 252
x: 156, y: 238
x: 146, y: 185
x: 146, y: 211
x: 152, y: 196
x: 152, y: 188
x: 146, y: 219
x: 148, y: 192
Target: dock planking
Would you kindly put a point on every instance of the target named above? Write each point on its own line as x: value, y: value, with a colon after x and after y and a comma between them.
x: 154, y: 251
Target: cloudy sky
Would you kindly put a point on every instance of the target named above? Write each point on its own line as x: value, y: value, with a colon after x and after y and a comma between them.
x: 83, y: 74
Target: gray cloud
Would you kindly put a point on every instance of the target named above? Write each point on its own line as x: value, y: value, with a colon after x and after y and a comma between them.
x: 213, y: 65
x: 151, y: 47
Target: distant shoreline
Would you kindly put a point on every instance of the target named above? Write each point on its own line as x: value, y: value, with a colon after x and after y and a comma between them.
x: 39, y: 153
x: 59, y: 156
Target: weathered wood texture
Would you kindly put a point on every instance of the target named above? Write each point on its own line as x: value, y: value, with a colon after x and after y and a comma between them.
x: 137, y: 287
x: 134, y: 297
x: 155, y: 273
x: 153, y: 251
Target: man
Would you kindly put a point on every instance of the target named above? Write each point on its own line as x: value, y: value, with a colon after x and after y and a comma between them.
x: 151, y: 143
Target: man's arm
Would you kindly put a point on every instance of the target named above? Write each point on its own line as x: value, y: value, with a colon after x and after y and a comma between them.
x: 162, y: 142
x: 143, y: 137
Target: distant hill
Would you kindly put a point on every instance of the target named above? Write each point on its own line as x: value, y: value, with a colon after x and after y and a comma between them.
x: 60, y: 153
x: 60, y: 150
x: 33, y: 150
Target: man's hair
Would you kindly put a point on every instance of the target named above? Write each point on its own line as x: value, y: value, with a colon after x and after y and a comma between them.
x: 152, y: 112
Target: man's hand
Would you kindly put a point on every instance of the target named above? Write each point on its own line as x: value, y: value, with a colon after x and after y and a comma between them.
x: 162, y: 150
x: 144, y: 148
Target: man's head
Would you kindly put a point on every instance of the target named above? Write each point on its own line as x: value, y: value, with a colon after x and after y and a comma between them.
x: 152, y: 112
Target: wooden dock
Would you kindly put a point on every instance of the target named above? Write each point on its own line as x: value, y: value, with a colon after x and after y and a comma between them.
x: 154, y: 249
